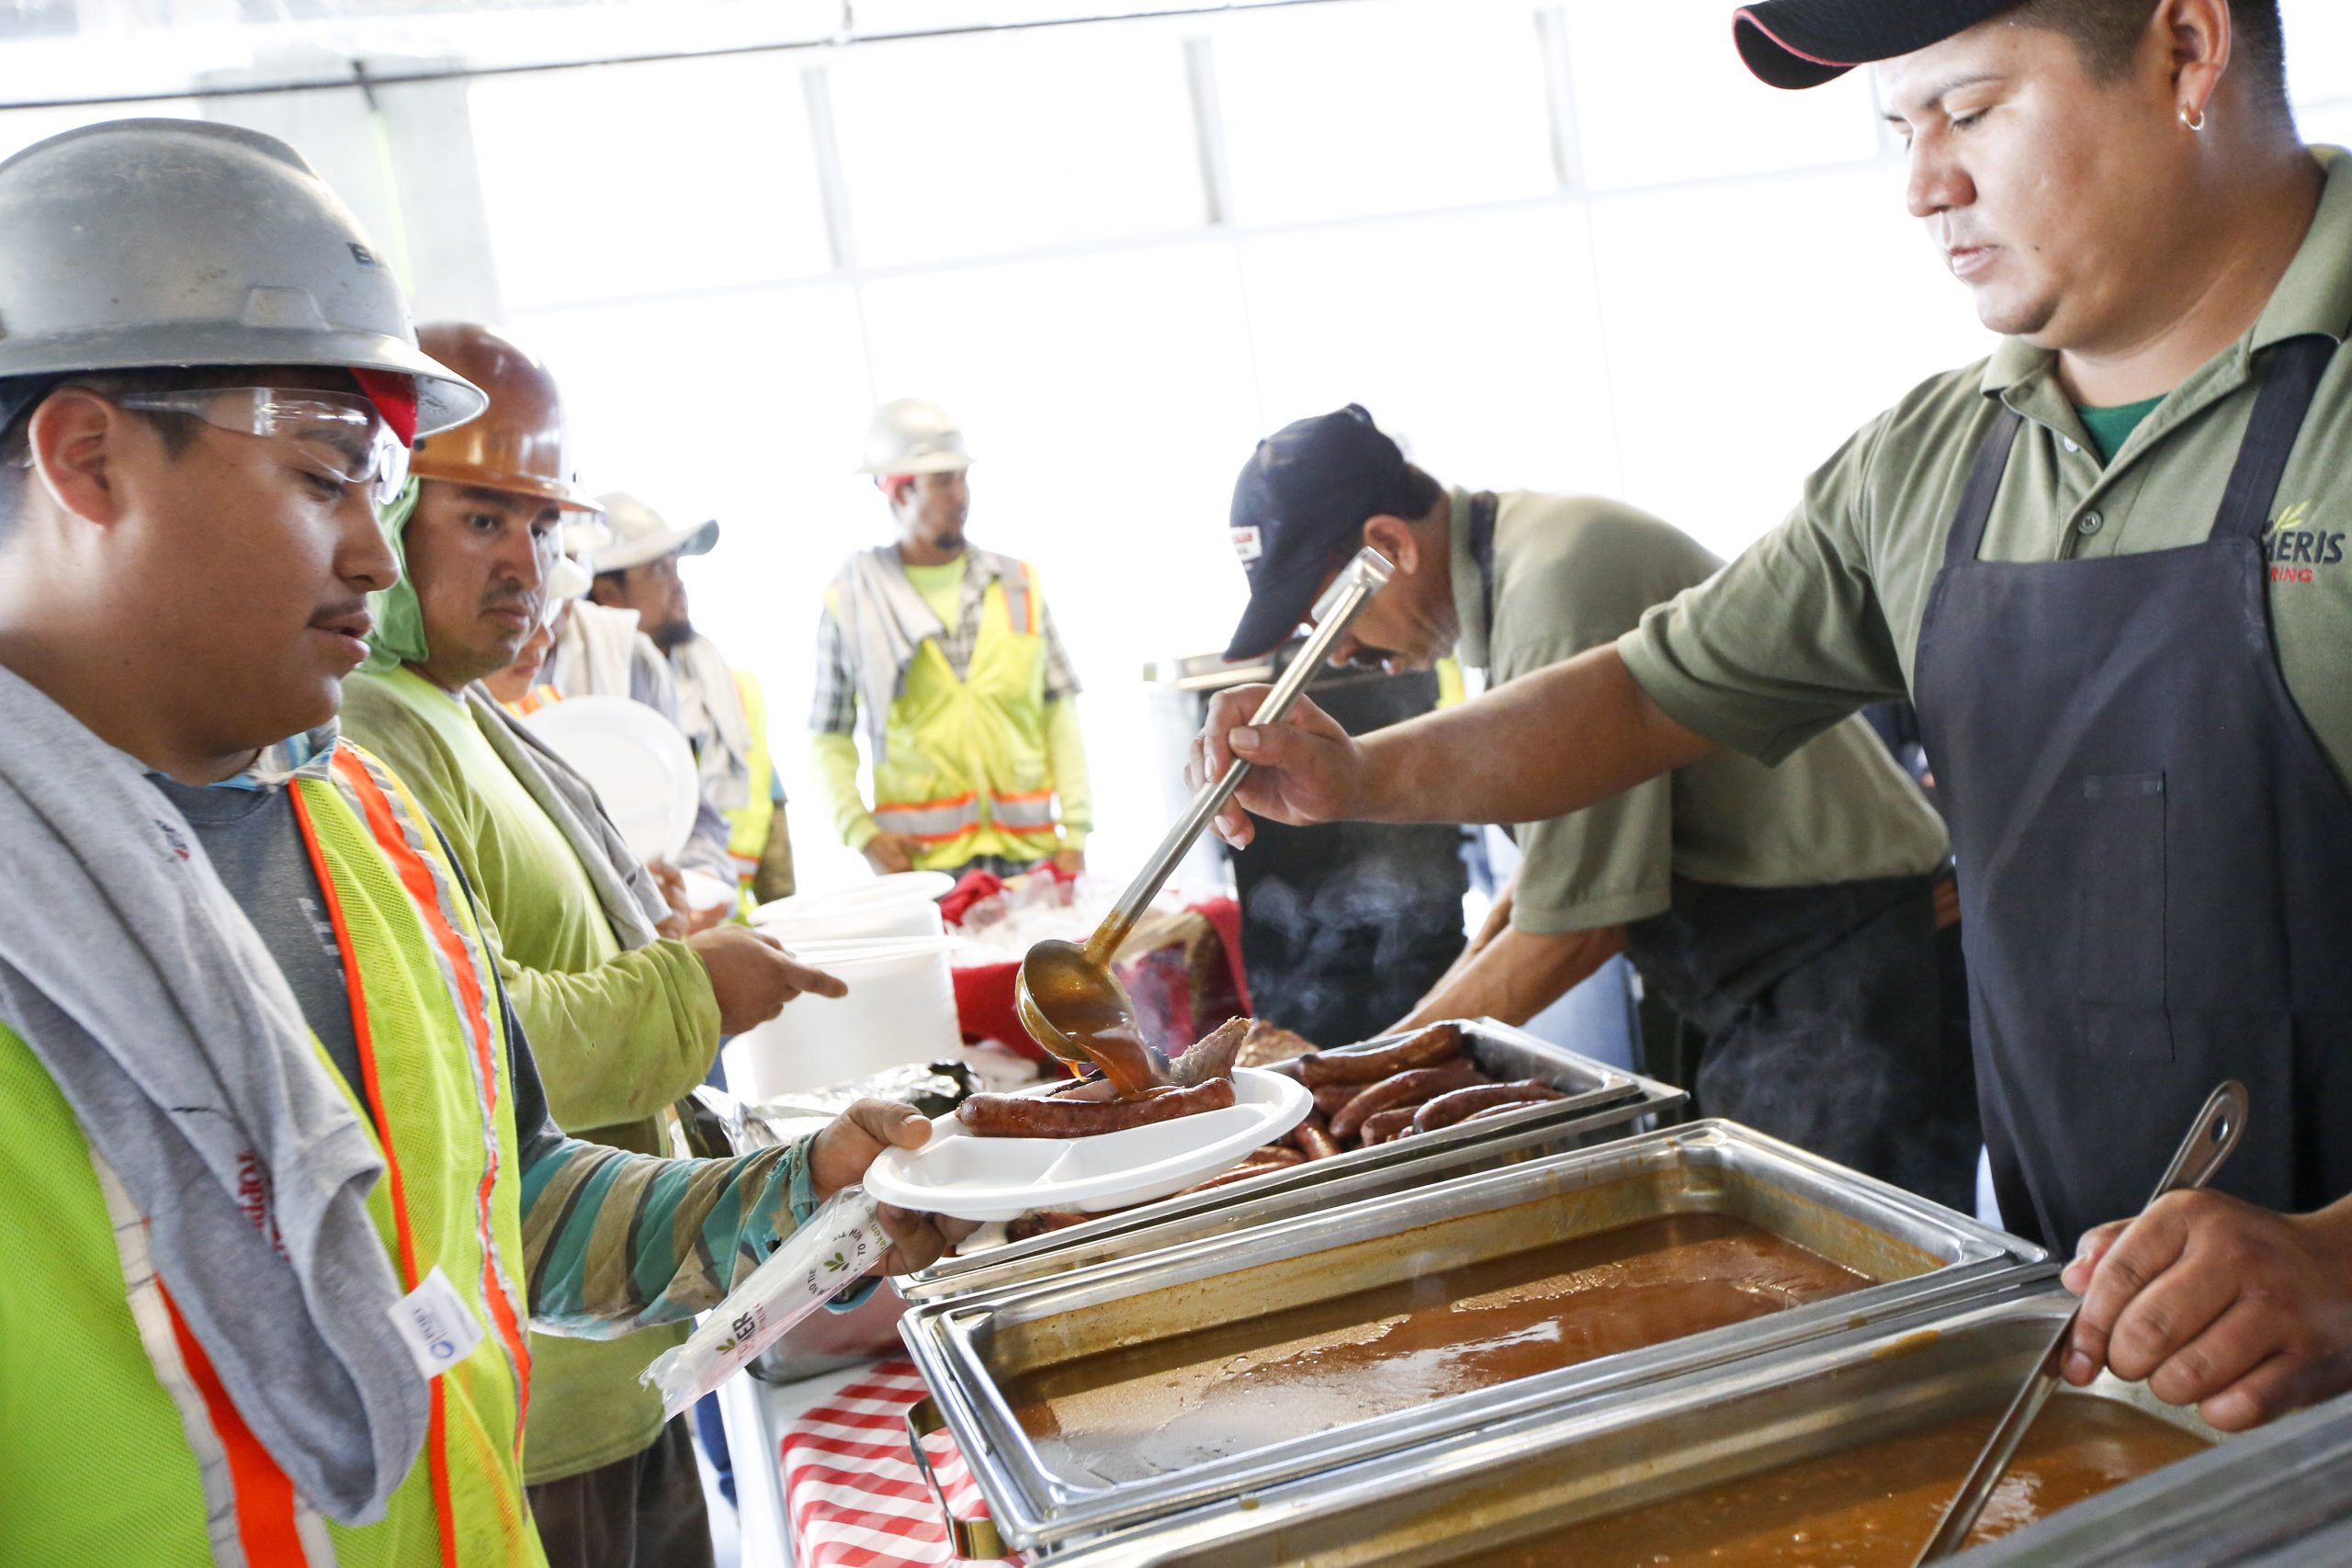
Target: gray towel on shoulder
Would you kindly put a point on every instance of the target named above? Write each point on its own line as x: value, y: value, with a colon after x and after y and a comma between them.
x: 884, y: 621
x: 145, y: 992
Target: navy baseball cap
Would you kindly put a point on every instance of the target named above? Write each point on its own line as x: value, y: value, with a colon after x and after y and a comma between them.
x: 1803, y: 43
x: 1299, y: 510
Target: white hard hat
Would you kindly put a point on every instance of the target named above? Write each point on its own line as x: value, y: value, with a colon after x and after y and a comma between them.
x: 584, y: 533
x: 566, y: 580
x: 639, y: 536
x: 913, y: 435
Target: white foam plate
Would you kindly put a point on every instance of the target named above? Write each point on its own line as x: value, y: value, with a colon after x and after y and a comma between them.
x: 705, y: 891
x: 640, y: 764
x: 996, y: 1179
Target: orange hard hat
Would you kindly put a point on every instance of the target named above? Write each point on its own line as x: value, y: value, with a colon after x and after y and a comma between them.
x: 517, y: 443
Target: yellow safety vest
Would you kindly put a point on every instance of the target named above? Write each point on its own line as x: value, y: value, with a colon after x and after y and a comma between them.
x: 747, y: 826
x: 968, y: 774
x: 117, y: 1442
x: 539, y: 696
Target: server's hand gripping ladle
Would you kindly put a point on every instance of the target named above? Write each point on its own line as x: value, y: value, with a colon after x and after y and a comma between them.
x: 2216, y: 1132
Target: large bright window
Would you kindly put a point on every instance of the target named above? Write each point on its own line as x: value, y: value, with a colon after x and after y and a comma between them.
x: 1340, y: 111
x: 648, y: 179
x: 1752, y: 327
x: 972, y: 147
x: 1661, y: 96
x: 1474, y: 339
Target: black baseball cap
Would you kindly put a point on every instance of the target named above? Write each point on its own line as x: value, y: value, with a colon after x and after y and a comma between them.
x: 1803, y: 43
x: 1299, y: 510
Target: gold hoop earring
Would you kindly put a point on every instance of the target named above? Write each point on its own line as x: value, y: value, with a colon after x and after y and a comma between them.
x: 2195, y: 122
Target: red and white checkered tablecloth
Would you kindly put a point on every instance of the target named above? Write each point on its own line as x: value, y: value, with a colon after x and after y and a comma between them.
x: 851, y: 1489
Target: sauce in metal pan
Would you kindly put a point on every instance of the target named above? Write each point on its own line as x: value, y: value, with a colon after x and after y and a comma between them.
x: 1125, y: 1415
x: 1871, y: 1506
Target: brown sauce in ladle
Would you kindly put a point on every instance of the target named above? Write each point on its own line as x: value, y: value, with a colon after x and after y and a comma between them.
x: 1091, y: 1014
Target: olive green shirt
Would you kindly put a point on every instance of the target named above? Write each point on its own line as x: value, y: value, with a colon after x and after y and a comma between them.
x: 1822, y: 615
x: 617, y: 1035
x: 1571, y: 572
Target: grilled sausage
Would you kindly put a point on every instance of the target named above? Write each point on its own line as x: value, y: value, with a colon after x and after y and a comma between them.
x: 1422, y: 1048
x: 1382, y: 1126
x: 1463, y: 1103
x: 1030, y: 1116
x: 1409, y: 1087
x: 1331, y: 1097
x: 1312, y: 1138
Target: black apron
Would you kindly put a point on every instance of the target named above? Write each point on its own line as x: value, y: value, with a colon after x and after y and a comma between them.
x: 2155, y: 856
x: 1821, y: 1007
x: 1826, y: 1020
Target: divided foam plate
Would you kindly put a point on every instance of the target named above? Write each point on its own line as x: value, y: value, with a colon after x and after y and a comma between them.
x: 996, y: 1179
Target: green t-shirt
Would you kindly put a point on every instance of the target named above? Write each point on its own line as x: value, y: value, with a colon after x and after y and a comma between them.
x: 1822, y: 615
x: 1571, y: 572
x: 617, y: 1035
x: 942, y: 588
x: 2110, y: 428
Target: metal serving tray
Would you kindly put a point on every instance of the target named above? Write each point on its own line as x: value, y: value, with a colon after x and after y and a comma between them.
x: 1925, y: 1256
x: 1598, y: 1102
x: 1566, y: 1465
x: 2277, y: 1497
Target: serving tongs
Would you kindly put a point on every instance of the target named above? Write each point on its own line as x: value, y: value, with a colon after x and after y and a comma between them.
x: 2209, y: 1141
x: 1062, y: 982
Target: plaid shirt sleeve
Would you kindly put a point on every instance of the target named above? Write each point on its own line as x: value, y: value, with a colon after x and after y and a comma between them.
x: 834, y: 703
x: 1061, y: 681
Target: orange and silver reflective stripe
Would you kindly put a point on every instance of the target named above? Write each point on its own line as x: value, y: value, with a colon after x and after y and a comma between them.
x: 437, y: 1449
x: 1029, y: 811
x: 933, y: 821
x: 1021, y: 601
x: 397, y: 833
x: 534, y: 699
x: 252, y: 1517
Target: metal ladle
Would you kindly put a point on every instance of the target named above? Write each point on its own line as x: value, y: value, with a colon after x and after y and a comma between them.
x: 1066, y: 995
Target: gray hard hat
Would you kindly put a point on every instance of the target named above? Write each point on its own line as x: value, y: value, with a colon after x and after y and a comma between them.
x: 146, y: 243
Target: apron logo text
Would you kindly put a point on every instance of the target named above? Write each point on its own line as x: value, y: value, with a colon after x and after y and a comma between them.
x: 2293, y: 549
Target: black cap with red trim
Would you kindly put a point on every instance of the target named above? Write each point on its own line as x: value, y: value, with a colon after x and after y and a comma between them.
x: 1803, y: 43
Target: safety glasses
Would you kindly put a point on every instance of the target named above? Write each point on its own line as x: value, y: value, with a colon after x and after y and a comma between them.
x: 338, y: 434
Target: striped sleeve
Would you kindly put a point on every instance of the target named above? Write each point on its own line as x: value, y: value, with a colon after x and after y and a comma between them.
x: 1061, y: 677
x: 833, y: 696
x: 615, y: 1242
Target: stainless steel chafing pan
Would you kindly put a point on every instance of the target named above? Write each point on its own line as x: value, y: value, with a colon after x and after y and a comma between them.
x: 1598, y: 1102
x: 1558, y: 1467
x: 971, y: 1347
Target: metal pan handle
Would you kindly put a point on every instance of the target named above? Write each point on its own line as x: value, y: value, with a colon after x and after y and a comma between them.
x: 2219, y: 1127
x: 973, y: 1540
